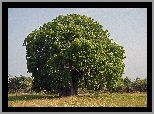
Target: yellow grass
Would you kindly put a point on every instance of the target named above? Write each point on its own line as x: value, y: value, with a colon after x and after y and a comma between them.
x: 103, y: 100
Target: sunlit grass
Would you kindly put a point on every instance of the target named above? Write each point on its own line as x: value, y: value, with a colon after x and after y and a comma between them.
x: 103, y: 100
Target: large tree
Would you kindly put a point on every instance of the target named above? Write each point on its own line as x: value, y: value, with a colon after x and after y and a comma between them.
x: 73, y: 51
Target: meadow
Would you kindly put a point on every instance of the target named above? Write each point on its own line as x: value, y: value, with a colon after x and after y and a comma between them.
x: 86, y: 100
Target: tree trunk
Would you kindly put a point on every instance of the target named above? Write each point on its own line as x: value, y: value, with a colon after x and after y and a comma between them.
x: 64, y: 91
x: 74, y: 88
x: 68, y: 91
x: 75, y: 75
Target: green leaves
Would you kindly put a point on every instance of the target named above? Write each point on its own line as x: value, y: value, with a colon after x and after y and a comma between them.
x: 74, y: 38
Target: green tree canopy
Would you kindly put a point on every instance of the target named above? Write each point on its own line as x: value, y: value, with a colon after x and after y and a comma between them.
x: 78, y: 41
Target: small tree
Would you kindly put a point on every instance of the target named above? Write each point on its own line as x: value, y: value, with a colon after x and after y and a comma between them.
x: 18, y: 83
x: 128, y: 84
x: 140, y: 85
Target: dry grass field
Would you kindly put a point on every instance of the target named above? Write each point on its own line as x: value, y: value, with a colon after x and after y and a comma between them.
x: 103, y: 100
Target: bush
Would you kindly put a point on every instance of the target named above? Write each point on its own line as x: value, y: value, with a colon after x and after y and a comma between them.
x: 19, y: 84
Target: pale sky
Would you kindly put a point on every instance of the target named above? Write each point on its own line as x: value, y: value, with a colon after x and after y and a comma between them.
x: 127, y: 27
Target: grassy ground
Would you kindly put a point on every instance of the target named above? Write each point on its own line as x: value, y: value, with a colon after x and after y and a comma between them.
x: 105, y: 100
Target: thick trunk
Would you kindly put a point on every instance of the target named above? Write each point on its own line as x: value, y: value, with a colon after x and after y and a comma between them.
x: 74, y: 88
x: 75, y: 76
x: 65, y: 91
x: 68, y: 91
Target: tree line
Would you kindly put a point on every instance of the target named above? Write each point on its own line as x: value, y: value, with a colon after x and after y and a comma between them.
x: 127, y: 85
x: 19, y: 84
x: 24, y: 84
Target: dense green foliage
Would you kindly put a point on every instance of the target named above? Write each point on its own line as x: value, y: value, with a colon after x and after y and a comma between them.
x: 77, y: 41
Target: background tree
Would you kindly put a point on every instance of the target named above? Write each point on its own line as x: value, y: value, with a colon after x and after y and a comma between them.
x: 16, y: 84
x: 140, y: 85
x: 128, y: 84
x: 73, y: 51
